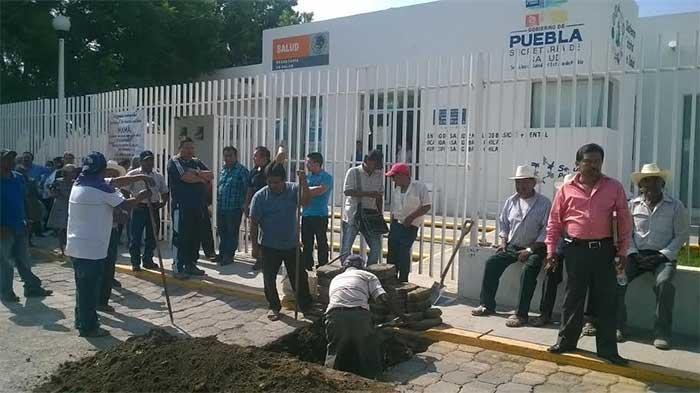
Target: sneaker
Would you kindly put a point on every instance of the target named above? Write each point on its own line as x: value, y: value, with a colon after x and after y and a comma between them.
x: 481, y: 311
x: 105, y: 308
x: 516, y: 321
x: 150, y: 265
x: 194, y: 271
x: 99, y: 332
x: 39, y: 292
x: 116, y: 283
x: 662, y: 342
x: 10, y: 298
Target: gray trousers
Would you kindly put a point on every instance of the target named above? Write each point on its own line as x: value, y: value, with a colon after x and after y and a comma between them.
x: 353, y: 344
x: 663, y: 288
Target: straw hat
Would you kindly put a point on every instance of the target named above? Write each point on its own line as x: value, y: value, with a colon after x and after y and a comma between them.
x: 524, y: 172
x: 567, y: 179
x: 113, y: 165
x: 649, y: 170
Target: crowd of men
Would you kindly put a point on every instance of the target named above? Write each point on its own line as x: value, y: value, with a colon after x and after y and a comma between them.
x: 590, y: 229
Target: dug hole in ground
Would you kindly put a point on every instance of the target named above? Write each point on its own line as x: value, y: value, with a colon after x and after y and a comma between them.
x: 161, y: 362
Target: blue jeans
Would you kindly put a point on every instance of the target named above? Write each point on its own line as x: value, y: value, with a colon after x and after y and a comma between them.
x: 88, y: 282
x: 374, y: 241
x: 14, y: 247
x: 139, y: 222
x: 401, y: 238
x: 229, y: 223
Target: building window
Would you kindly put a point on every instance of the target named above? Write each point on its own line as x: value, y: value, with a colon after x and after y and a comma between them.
x: 549, y: 96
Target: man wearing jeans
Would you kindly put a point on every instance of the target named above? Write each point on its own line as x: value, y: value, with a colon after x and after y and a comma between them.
x: 363, y: 189
x: 13, y: 234
x: 659, y: 230
x: 231, y: 193
x: 314, y: 221
x: 273, y: 209
x: 523, y: 223
x: 140, y: 219
x: 90, y: 211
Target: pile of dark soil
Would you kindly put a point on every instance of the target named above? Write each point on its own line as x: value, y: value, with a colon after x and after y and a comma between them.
x: 309, y: 344
x: 159, y: 362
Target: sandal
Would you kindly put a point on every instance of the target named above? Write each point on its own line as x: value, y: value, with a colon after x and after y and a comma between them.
x: 481, y: 311
x: 516, y: 321
x: 273, y: 315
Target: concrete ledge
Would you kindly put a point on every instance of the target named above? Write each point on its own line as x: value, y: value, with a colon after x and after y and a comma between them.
x: 636, y: 370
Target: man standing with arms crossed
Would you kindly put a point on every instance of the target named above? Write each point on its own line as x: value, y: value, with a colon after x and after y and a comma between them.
x: 231, y: 193
x: 314, y: 221
x: 583, y: 209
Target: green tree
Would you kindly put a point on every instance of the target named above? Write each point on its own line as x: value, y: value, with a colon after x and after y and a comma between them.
x: 122, y: 44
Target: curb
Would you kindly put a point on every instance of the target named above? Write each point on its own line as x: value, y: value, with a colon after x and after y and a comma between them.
x: 584, y: 359
x: 636, y: 370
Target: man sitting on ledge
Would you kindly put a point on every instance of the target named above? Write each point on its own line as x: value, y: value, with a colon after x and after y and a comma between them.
x: 523, y: 223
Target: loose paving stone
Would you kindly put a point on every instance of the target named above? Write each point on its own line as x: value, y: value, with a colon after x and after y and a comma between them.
x: 442, y: 347
x: 550, y: 388
x: 478, y: 387
x: 442, y: 387
x: 598, y: 378
x: 564, y: 379
x: 459, y: 357
x: 459, y: 377
x: 542, y: 367
x: 475, y: 367
x: 445, y: 367
x: 432, y: 356
x: 426, y: 379
x: 513, y: 388
x: 527, y: 378
x: 496, y: 376
x: 573, y: 370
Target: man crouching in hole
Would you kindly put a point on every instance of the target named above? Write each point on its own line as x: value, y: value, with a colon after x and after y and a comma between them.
x: 353, y: 342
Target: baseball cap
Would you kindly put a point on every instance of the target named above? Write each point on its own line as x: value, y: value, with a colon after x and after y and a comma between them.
x: 146, y: 154
x: 399, y: 168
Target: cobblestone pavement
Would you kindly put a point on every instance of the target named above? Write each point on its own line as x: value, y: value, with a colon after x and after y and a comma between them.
x: 38, y: 335
x: 452, y: 368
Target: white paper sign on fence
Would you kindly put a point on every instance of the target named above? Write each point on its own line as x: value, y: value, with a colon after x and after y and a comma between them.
x: 126, y: 135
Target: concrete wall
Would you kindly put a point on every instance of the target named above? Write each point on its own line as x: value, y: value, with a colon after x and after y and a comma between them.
x: 640, y: 296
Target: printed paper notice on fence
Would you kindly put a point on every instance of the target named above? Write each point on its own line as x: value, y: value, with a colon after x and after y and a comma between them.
x: 126, y: 135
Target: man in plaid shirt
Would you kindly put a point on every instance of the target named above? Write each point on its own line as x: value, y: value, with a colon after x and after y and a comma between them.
x: 231, y: 193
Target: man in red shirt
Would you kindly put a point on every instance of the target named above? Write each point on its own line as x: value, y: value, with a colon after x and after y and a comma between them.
x: 583, y: 209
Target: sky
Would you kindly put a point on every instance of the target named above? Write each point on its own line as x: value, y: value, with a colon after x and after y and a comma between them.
x: 328, y: 9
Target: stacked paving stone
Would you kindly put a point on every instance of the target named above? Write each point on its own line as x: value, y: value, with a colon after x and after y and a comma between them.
x: 413, y: 301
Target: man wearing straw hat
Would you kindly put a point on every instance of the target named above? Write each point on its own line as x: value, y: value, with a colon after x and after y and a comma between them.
x: 659, y: 230
x: 583, y: 209
x: 523, y: 222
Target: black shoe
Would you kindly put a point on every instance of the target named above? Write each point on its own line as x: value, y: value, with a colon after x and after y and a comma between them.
x: 193, y: 271
x: 150, y: 265
x: 223, y: 261
x: 105, y: 308
x: 257, y: 266
x: 10, y: 298
x: 39, y: 292
x: 136, y: 268
x: 614, y: 359
x: 99, y: 332
x: 559, y: 348
x: 116, y: 283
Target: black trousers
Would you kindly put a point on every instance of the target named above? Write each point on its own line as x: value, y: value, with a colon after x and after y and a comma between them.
x: 550, y: 285
x: 272, y: 260
x: 189, y: 233
x: 585, y: 267
x: 207, y: 236
x: 314, y: 227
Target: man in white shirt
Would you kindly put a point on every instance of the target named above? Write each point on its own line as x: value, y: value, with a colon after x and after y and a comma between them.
x: 408, y: 206
x: 353, y: 344
x: 90, y: 210
x: 364, y: 192
x: 140, y: 219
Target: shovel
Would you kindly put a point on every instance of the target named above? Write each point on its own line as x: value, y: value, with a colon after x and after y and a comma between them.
x: 151, y: 217
x: 438, y: 288
x: 396, y: 322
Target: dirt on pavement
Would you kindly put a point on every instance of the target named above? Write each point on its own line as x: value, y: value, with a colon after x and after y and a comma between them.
x: 160, y: 362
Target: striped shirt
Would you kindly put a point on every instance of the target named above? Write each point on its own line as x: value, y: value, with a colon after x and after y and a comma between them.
x: 232, y: 187
x: 663, y: 228
x: 523, y: 226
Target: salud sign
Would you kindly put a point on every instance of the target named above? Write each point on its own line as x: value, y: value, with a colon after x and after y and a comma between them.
x: 125, y: 137
x: 300, y: 51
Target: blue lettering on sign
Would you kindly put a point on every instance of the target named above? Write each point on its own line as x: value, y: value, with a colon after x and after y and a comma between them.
x: 545, y: 38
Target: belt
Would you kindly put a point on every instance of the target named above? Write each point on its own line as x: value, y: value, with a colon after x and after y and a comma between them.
x: 343, y: 309
x: 590, y: 243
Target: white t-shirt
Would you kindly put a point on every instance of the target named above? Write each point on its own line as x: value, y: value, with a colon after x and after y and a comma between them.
x: 525, y: 205
x: 405, y: 203
x: 90, y: 222
x: 353, y: 289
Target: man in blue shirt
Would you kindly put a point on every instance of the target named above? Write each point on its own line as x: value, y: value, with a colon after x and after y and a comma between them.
x: 188, y: 179
x: 230, y: 197
x: 273, y: 209
x: 34, y: 171
x: 314, y: 222
x: 13, y: 233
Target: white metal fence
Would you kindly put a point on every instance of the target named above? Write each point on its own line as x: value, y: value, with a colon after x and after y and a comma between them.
x: 463, y: 124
